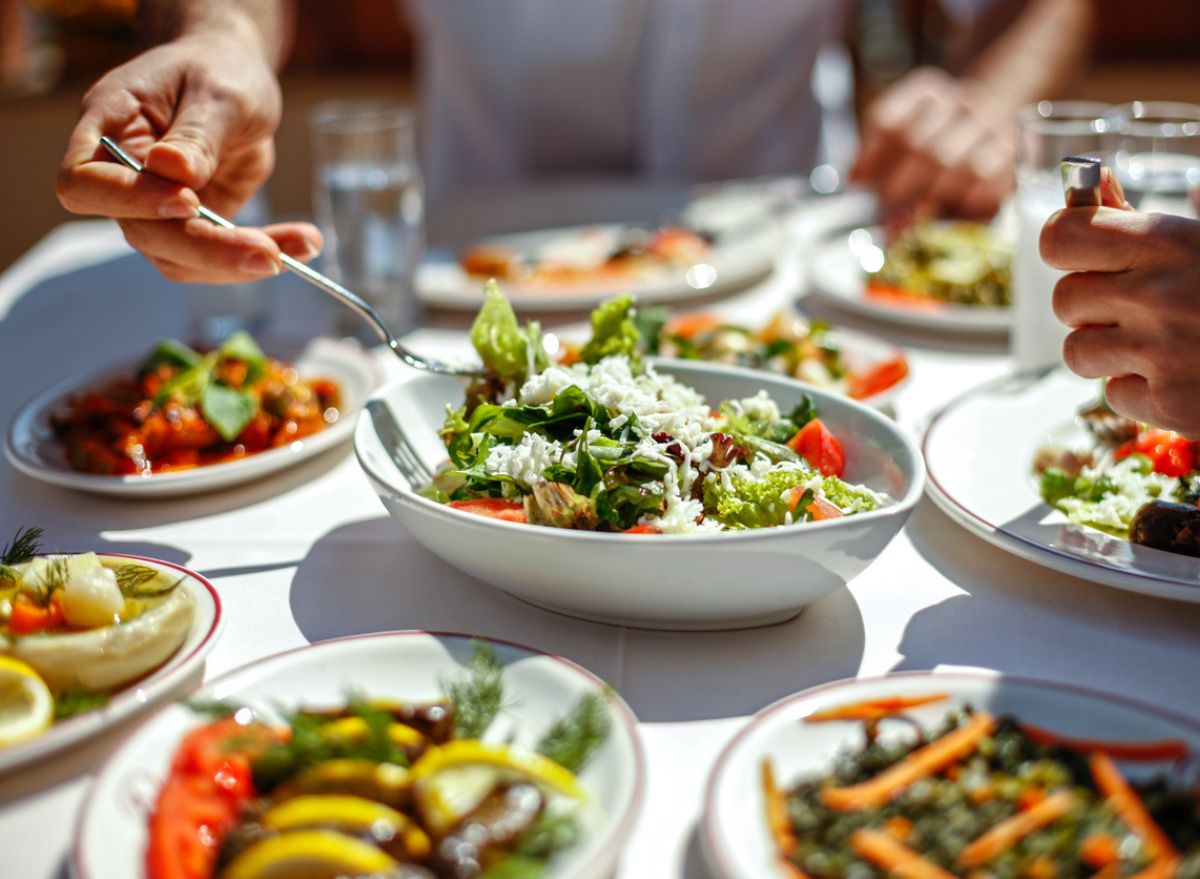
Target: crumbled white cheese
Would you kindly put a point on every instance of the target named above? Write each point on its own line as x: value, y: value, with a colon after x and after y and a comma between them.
x: 526, y: 461
x: 760, y: 407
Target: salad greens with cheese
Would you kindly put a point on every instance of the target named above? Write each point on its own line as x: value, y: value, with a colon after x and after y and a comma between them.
x: 600, y: 441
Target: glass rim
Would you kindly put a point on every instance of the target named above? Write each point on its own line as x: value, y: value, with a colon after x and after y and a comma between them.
x: 1067, y: 117
x: 357, y: 115
x: 1161, y: 119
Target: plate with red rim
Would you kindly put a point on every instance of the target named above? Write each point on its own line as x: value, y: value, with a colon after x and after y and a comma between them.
x: 111, y: 834
x: 834, y: 264
x: 33, y: 449
x: 180, y: 671
x: 982, y: 477
x: 734, y: 831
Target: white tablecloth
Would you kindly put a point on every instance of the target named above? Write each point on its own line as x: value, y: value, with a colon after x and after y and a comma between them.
x: 311, y: 554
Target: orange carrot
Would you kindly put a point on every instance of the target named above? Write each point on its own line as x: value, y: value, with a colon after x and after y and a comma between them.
x: 932, y: 758
x: 898, y: 828
x: 903, y: 298
x: 1041, y: 867
x: 1130, y: 807
x: 873, y: 709
x: 1010, y: 831
x: 1166, y: 749
x: 29, y: 617
x: 777, y: 813
x: 1030, y: 797
x: 1098, y: 850
x: 642, y: 529
x: 895, y: 858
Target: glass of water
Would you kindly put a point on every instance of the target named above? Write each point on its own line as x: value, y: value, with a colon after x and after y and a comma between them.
x: 1156, y: 156
x: 368, y: 201
x: 1048, y: 132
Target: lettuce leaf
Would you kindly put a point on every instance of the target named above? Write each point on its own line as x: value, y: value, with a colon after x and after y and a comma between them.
x: 502, y: 345
x: 753, y: 503
x: 614, y: 332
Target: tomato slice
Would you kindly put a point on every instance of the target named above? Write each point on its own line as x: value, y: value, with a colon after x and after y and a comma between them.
x: 642, y: 529
x: 878, y: 378
x: 493, y: 508
x: 1169, y: 453
x: 821, y: 509
x: 816, y: 444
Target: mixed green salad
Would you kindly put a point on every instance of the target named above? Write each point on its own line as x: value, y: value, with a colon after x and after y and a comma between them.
x: 607, y: 443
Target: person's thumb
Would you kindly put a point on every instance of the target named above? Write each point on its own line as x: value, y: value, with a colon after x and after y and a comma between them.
x: 1111, y: 193
x: 190, y: 150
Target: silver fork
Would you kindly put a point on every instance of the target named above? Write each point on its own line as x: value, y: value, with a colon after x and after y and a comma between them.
x: 400, y: 449
x: 334, y: 289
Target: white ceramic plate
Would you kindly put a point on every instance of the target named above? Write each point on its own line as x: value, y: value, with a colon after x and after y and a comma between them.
x: 32, y: 448
x: 835, y: 272
x: 734, y: 830
x: 691, y: 581
x: 177, y: 672
x: 111, y: 837
x: 732, y: 263
x: 979, y: 453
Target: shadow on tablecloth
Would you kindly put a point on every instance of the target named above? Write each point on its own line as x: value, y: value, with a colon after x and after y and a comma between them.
x: 372, y: 576
x: 1020, y: 618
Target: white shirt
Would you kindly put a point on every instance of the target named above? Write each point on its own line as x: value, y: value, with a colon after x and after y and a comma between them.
x: 676, y: 90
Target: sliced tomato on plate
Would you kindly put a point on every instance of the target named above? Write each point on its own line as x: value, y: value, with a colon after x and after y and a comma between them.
x: 816, y: 444
x: 877, y: 378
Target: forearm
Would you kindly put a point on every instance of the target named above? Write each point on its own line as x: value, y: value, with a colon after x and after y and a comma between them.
x: 1039, y: 55
x: 263, y: 24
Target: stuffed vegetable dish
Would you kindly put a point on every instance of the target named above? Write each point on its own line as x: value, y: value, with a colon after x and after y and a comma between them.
x: 955, y: 263
x: 182, y: 408
x: 377, y: 788
x: 985, y: 796
x: 604, y: 442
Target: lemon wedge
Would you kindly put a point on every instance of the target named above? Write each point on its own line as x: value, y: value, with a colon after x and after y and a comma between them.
x: 355, y: 729
x: 313, y: 854
x: 26, y: 706
x: 354, y: 815
x: 451, y: 781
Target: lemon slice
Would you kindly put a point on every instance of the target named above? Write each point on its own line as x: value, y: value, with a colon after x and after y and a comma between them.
x: 26, y: 706
x: 313, y: 854
x: 451, y: 781
x: 355, y: 729
x: 354, y: 815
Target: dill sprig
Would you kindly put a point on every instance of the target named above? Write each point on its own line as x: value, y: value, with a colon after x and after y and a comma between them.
x: 26, y: 543
x: 478, y: 695
x: 214, y: 709
x: 573, y: 740
x: 80, y: 701
x: 549, y: 835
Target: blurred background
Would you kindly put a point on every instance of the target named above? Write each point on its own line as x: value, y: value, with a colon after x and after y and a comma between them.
x: 51, y: 50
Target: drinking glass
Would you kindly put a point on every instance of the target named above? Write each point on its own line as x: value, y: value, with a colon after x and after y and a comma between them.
x: 1156, y: 156
x: 368, y: 201
x: 1047, y: 132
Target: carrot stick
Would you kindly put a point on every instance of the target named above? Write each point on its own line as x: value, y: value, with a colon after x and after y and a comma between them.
x: 873, y: 709
x: 894, y: 857
x: 777, y: 815
x: 1130, y: 807
x: 1098, y: 850
x: 1010, y: 831
x: 1166, y: 749
x: 932, y: 758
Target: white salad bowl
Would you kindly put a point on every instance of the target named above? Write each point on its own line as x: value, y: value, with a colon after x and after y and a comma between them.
x: 112, y: 833
x: 722, y: 580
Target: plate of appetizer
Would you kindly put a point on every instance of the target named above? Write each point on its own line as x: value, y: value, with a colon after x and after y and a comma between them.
x: 939, y: 775
x: 935, y: 275
x: 401, y: 754
x: 578, y: 267
x: 664, y: 464
x: 87, y: 640
x: 178, y: 421
x: 1070, y: 485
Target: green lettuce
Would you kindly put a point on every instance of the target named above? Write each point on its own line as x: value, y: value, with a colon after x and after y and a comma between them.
x: 614, y: 331
x: 762, y: 503
x: 504, y: 347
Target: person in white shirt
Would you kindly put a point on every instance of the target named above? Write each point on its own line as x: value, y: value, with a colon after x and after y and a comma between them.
x: 517, y: 90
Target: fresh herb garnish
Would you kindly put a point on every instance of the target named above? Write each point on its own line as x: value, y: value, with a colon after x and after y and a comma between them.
x: 478, y: 695
x: 80, y: 701
x: 549, y: 835
x: 574, y: 739
x: 131, y: 579
x: 216, y: 709
x: 26, y: 543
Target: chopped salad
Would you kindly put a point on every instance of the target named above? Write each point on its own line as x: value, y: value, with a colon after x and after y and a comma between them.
x: 608, y: 443
x: 959, y: 263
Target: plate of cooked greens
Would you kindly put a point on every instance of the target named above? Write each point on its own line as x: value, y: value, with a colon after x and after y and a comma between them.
x: 179, y: 421
x: 1037, y: 464
x: 672, y: 461
x: 936, y: 775
x: 87, y: 640
x: 935, y: 275
x: 401, y: 754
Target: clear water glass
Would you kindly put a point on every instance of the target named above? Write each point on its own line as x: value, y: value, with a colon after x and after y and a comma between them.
x: 367, y: 195
x: 1156, y: 156
x: 1048, y: 132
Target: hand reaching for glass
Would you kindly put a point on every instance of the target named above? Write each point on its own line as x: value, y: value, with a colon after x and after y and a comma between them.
x: 1132, y: 299
x: 200, y: 112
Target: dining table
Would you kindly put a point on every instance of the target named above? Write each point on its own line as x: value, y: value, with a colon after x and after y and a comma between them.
x: 310, y: 554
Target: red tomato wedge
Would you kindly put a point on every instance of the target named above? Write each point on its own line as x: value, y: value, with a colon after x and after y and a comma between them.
x: 689, y: 326
x: 1169, y: 453
x: 821, y: 509
x: 816, y: 444
x: 878, y: 378
x: 493, y: 508
x: 642, y: 529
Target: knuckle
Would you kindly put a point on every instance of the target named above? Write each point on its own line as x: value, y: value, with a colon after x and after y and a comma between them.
x: 1073, y: 351
x: 1062, y: 300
